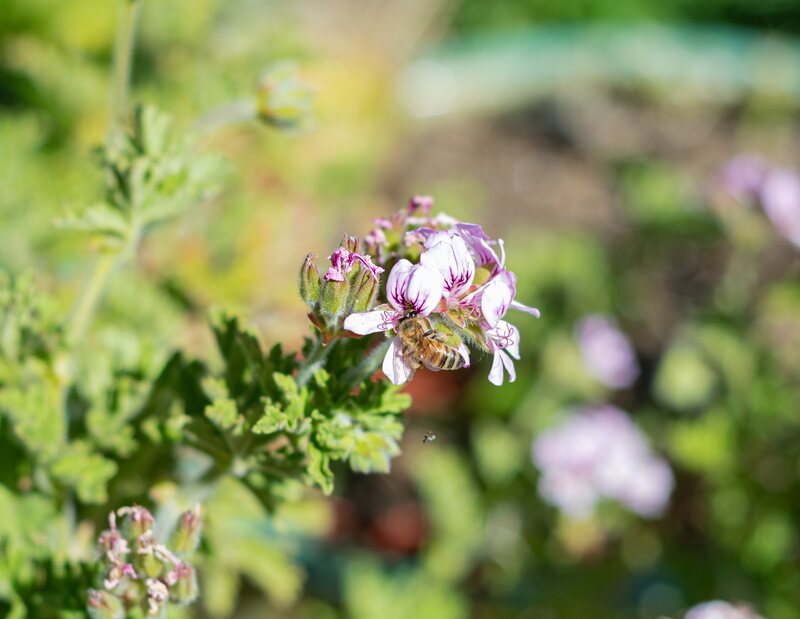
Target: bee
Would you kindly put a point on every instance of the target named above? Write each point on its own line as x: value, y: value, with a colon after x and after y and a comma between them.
x: 428, y: 437
x: 424, y: 345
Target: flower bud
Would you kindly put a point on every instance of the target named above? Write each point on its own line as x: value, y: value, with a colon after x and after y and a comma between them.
x: 350, y: 243
x: 310, y: 281
x: 183, y: 584
x: 333, y: 302
x: 104, y: 605
x: 186, y: 536
x: 282, y: 100
x: 137, y: 521
x: 157, y: 595
x: 363, y: 288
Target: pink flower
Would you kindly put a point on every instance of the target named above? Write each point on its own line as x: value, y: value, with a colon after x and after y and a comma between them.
x: 598, y: 453
x: 504, y: 341
x: 743, y: 176
x: 780, y: 199
x: 607, y: 353
x: 343, y: 260
x: 717, y: 609
x: 157, y: 595
x: 412, y: 289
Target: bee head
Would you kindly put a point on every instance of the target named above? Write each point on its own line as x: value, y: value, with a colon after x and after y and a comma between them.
x: 410, y: 314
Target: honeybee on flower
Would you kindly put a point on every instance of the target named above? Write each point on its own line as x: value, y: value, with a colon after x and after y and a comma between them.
x: 447, y: 288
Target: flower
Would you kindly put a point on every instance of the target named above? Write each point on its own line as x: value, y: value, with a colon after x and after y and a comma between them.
x: 342, y: 261
x: 157, y: 595
x: 460, y: 281
x: 717, y: 609
x: 780, y: 199
x: 153, y: 575
x: 504, y: 342
x: 607, y: 353
x: 449, y: 255
x: 412, y: 289
x: 743, y: 176
x: 596, y: 453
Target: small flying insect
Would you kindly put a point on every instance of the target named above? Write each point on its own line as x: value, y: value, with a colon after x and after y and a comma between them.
x: 428, y: 437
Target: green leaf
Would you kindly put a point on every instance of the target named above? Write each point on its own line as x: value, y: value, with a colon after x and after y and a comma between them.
x: 319, y: 469
x: 87, y: 471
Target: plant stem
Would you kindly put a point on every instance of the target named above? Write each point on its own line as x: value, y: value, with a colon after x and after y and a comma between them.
x: 368, y: 365
x: 316, y: 357
x: 228, y: 114
x: 87, y: 304
x: 123, y: 59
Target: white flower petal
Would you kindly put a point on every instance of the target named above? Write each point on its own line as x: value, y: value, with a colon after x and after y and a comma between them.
x: 397, y: 283
x: 526, y: 308
x: 450, y: 257
x: 394, y: 364
x: 364, y: 323
x: 496, y: 373
x: 424, y: 291
x: 508, y: 363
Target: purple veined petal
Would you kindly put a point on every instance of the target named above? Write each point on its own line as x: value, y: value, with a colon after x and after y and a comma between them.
x: 395, y: 366
x: 496, y: 373
x: 526, y: 308
x: 504, y: 336
x: 397, y: 283
x: 425, y: 289
x: 364, y: 323
x: 450, y: 257
x: 496, y: 297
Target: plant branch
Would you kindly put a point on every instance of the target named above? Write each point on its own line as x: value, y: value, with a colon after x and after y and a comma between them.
x: 314, y: 361
x: 123, y: 59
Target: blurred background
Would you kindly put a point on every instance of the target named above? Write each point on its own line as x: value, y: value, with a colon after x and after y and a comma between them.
x: 596, y: 137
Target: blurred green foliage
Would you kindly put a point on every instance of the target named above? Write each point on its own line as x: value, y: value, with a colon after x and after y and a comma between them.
x: 710, y: 297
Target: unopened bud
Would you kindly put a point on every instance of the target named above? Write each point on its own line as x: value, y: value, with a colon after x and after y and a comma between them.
x: 310, y: 281
x: 186, y: 536
x: 282, y: 100
x: 350, y: 243
x: 183, y: 584
x: 104, y: 605
x: 363, y: 288
x: 136, y: 521
x: 333, y: 301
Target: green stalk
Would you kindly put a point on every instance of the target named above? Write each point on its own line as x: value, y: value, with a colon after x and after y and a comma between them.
x: 314, y: 361
x: 121, y: 72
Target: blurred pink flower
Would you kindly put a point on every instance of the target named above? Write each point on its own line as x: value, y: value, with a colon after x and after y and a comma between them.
x: 780, y: 199
x: 599, y: 453
x: 607, y: 353
x: 721, y: 610
x: 743, y: 176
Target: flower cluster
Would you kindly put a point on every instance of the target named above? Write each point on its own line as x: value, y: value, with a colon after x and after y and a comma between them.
x: 721, y: 610
x: 599, y: 453
x: 447, y: 271
x: 607, y: 352
x: 777, y: 190
x: 139, y: 572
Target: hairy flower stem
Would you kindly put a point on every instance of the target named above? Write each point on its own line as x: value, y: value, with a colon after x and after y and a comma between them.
x: 87, y: 304
x: 368, y: 366
x: 314, y: 360
x: 123, y: 59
